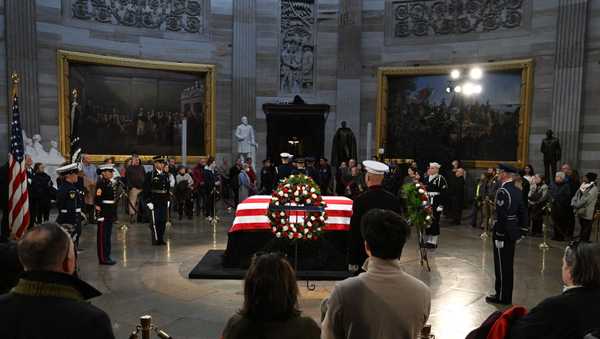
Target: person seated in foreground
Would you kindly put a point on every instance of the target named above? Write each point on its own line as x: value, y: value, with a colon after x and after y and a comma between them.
x: 48, y: 301
x: 383, y: 302
x: 576, y: 312
x: 270, y: 304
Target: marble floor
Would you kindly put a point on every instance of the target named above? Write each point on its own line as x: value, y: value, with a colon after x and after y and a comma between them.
x: 153, y: 280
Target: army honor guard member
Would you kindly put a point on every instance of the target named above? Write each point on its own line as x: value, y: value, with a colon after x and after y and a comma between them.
x: 156, y: 196
x: 511, y: 214
x: 374, y: 197
x: 69, y: 200
x: 436, y: 190
x: 106, y: 213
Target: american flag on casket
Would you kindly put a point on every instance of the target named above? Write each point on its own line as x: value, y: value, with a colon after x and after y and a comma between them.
x: 251, y: 214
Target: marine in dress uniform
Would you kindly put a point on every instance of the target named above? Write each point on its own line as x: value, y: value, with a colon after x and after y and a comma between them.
x: 436, y: 190
x: 374, y: 197
x: 156, y: 196
x: 311, y: 170
x: 511, y: 215
x: 285, y: 169
x: 69, y: 200
x: 106, y: 213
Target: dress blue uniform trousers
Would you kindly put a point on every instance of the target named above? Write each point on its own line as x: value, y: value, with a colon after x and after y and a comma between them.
x: 160, y: 220
x: 103, y: 242
x: 503, y: 265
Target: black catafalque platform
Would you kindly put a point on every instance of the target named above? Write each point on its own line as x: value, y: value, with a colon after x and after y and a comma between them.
x: 323, y: 259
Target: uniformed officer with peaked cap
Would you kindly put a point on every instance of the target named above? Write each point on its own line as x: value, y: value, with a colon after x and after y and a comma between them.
x: 69, y: 200
x: 156, y: 196
x: 285, y: 169
x: 106, y: 213
x: 511, y: 215
x: 374, y: 197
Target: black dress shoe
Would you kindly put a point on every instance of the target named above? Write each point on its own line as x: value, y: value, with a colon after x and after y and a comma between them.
x: 108, y: 262
x: 493, y: 299
x: 430, y: 245
x: 161, y: 243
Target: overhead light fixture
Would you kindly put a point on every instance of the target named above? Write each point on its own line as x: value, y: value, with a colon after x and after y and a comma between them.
x: 476, y: 73
x: 468, y: 89
x: 458, y: 89
x: 455, y: 74
x: 477, y: 89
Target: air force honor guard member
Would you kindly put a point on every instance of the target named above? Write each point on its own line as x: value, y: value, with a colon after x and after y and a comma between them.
x: 156, y: 196
x: 374, y: 197
x: 106, y: 213
x: 69, y: 200
x: 511, y: 215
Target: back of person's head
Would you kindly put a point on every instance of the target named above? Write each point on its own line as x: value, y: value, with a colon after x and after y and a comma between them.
x: 270, y: 289
x: 47, y: 248
x: 385, y: 233
x: 582, y: 261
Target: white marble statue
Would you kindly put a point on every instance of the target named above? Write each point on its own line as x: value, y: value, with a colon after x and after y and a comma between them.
x: 54, y: 156
x: 41, y: 154
x: 28, y: 143
x: 247, y: 145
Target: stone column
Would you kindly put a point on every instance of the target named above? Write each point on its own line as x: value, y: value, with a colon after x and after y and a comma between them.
x: 21, y: 54
x: 568, y: 76
x: 349, y: 67
x: 244, y: 62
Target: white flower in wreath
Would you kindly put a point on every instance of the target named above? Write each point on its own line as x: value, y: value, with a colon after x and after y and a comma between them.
x: 287, y: 185
x: 308, y: 201
x: 309, y: 224
x: 286, y: 195
x: 421, y: 191
x: 276, y: 203
x: 300, y: 236
x: 293, y: 229
x: 282, y: 214
x: 274, y: 199
x: 297, y: 193
x: 274, y: 215
x: 322, y: 218
x: 280, y: 193
x: 312, y: 217
x: 305, y: 192
x: 309, y: 236
x: 318, y: 229
x: 291, y: 235
x: 285, y: 228
x: 278, y: 234
x: 314, y: 196
x: 425, y: 203
x: 305, y: 230
x: 428, y: 218
x: 292, y: 176
x: 417, y: 185
x: 313, y: 190
x: 297, y: 199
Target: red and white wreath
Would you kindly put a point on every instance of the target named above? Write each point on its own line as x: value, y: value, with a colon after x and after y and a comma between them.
x: 297, y: 210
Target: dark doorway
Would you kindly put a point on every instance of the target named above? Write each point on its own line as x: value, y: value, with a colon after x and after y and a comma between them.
x: 298, y: 129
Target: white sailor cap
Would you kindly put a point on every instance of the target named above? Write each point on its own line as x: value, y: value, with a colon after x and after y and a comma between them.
x: 434, y: 164
x: 285, y: 155
x: 376, y: 167
x: 106, y: 167
x: 68, y: 169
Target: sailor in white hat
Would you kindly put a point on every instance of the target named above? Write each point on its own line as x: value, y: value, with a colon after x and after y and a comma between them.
x: 436, y: 190
x: 285, y: 169
x: 374, y: 197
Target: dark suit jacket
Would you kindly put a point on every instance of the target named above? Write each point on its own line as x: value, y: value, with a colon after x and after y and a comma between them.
x: 570, y: 315
x: 374, y: 197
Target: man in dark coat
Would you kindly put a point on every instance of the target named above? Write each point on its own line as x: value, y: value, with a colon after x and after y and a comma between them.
x: 268, y: 177
x: 561, y: 207
x: 511, y: 216
x: 344, y: 146
x: 325, y: 176
x: 48, y: 301
x: 550, y: 148
x: 374, y: 197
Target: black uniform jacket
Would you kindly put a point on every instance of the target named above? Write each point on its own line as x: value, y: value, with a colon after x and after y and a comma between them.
x: 69, y: 201
x: 49, y: 305
x: 571, y: 315
x: 105, y: 198
x: 511, y: 213
x: 374, y: 197
x: 156, y: 187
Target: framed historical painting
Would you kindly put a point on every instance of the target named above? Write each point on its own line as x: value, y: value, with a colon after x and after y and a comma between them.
x: 137, y: 106
x: 422, y: 115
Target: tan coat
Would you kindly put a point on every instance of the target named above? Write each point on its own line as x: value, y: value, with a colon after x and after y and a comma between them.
x: 382, y: 303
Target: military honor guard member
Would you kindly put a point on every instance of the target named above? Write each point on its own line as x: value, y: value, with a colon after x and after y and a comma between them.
x: 511, y: 215
x: 374, y: 197
x: 106, y: 213
x: 285, y: 169
x: 156, y: 196
x: 436, y: 190
x: 69, y: 200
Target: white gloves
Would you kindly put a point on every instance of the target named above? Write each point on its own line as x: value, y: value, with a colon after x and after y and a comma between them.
x: 440, y: 209
x: 499, y: 243
x: 150, y: 206
x: 168, y: 204
x: 352, y: 268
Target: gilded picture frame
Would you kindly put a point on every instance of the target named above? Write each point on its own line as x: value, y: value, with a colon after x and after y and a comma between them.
x: 384, y: 74
x: 66, y: 58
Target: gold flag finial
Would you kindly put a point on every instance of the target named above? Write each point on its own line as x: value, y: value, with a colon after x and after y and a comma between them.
x: 15, y: 83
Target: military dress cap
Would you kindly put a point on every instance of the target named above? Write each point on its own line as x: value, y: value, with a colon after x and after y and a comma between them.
x: 309, y: 159
x: 591, y: 176
x: 300, y: 160
x: 507, y: 168
x: 68, y: 169
x: 434, y: 164
x: 375, y: 167
x: 285, y: 155
x: 159, y: 158
x: 106, y: 167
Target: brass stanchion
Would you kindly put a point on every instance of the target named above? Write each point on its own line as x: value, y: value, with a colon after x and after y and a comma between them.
x: 489, y: 218
x: 547, y: 210
x: 146, y: 327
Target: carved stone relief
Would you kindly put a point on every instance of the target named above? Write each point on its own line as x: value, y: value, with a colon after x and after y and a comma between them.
x: 420, y: 18
x: 165, y: 15
x: 297, y: 46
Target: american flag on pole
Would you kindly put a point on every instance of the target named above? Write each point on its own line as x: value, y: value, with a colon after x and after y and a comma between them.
x: 18, y: 197
x: 251, y: 214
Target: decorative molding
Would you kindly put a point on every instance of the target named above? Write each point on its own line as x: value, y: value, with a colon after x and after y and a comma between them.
x: 166, y: 15
x: 297, y: 45
x: 427, y: 18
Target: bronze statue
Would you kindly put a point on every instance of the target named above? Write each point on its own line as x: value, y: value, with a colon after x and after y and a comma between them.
x: 550, y: 148
x: 344, y: 146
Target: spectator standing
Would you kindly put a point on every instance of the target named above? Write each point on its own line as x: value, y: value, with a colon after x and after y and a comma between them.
x: 324, y: 176
x: 90, y: 178
x: 42, y: 193
x: 48, y: 295
x: 340, y: 185
x: 584, y: 205
x: 251, y: 172
x: 478, y: 201
x: 234, y: 177
x: 575, y: 312
x: 356, y: 186
x: 245, y: 184
x: 561, y: 208
x: 184, y: 185
x: 538, y: 197
x: 134, y: 176
x: 199, y: 185
x: 528, y: 173
x: 210, y: 185
x: 383, y: 302
x: 270, y: 309
x: 458, y: 195
x: 268, y: 177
